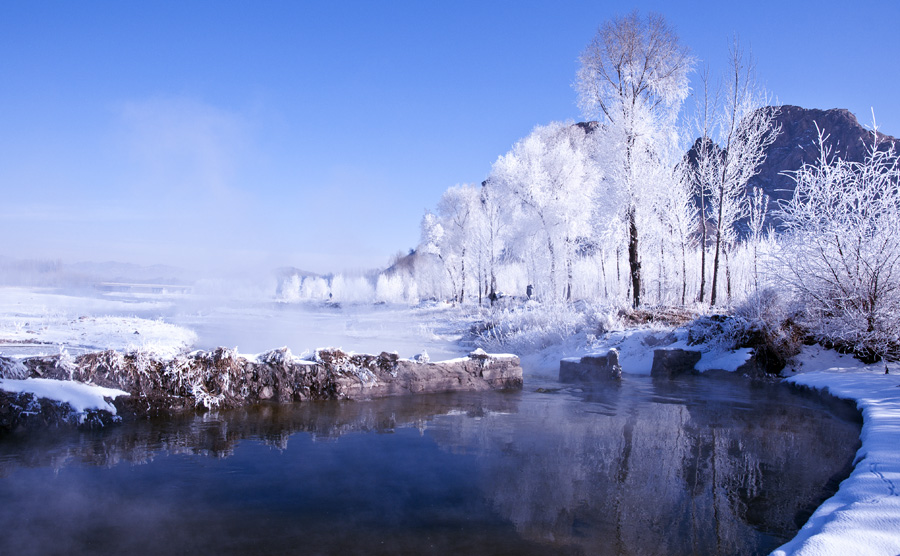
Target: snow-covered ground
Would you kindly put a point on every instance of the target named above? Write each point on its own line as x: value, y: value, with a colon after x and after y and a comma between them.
x: 42, y: 321
x: 36, y: 321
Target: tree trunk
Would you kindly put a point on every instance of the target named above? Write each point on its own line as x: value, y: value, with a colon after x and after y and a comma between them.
x: 462, y: 277
x: 715, y: 276
x: 727, y: 275
x: 492, y: 290
x: 552, y: 251
x: 662, y: 272
x: 633, y: 262
x: 603, y: 274
x: 702, y: 295
x: 569, y: 258
x: 684, y: 273
x: 618, y: 269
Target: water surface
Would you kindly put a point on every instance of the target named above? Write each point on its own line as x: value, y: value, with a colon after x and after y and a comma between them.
x: 695, y: 466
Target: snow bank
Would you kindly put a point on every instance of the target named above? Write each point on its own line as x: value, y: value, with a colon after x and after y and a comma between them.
x: 636, y: 347
x: 863, y: 517
x: 79, y: 396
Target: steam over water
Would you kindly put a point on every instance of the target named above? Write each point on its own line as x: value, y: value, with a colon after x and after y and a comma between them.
x: 693, y: 466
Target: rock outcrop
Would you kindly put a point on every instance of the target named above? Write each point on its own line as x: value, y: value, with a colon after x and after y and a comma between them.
x: 222, y: 378
x: 797, y: 145
x: 669, y: 363
x: 591, y: 368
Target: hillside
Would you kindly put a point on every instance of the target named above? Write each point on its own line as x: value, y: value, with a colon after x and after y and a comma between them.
x: 797, y: 144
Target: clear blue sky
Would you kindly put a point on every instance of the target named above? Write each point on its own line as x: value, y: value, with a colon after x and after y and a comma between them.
x: 315, y: 134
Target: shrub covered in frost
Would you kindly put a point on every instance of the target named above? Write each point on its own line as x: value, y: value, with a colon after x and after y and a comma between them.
x: 766, y: 322
x: 352, y: 289
x: 534, y: 326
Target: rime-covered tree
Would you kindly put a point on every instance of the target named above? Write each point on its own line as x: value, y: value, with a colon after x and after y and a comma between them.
x: 678, y: 214
x: 702, y: 167
x: 550, y: 174
x: 492, y: 231
x: 436, y: 243
x: 458, y: 212
x: 842, y: 248
x: 758, y: 208
x: 744, y: 129
x: 634, y: 78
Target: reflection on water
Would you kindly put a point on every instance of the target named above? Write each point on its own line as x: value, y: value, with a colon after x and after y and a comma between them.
x: 690, y: 467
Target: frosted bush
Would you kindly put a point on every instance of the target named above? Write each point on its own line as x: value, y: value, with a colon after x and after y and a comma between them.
x: 314, y: 288
x: 290, y: 290
x: 841, y: 255
x: 530, y: 328
x: 389, y: 289
x: 352, y: 289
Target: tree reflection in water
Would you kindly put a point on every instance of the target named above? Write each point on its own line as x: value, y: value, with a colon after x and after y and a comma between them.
x: 692, y: 466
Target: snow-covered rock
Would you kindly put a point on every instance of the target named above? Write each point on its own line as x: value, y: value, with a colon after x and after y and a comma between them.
x: 225, y: 378
x: 591, y: 368
x: 671, y: 362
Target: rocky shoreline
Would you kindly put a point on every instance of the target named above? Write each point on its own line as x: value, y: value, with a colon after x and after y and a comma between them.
x: 222, y: 378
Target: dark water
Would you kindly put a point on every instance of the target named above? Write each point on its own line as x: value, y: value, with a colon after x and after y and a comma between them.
x: 691, y: 467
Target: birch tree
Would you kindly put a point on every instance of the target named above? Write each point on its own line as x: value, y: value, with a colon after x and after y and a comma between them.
x: 634, y: 78
x: 746, y: 127
x: 551, y: 175
x: 707, y: 156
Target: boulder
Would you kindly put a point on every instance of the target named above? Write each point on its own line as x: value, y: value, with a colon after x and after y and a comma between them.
x: 591, y: 368
x: 755, y: 367
x: 669, y: 363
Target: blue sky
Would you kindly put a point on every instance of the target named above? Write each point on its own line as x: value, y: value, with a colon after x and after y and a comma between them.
x: 315, y: 134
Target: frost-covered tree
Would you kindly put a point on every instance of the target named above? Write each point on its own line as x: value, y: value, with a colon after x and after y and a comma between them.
x: 458, y: 214
x: 758, y: 208
x: 842, y: 248
x: 352, y: 289
x: 678, y: 214
x: 634, y: 78
x: 492, y: 231
x: 744, y: 130
x: 551, y: 174
x: 702, y: 167
x: 435, y: 242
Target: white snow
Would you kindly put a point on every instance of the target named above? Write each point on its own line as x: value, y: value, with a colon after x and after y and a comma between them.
x: 77, y: 394
x: 723, y: 360
x: 35, y: 322
x: 863, y: 517
x: 636, y: 347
